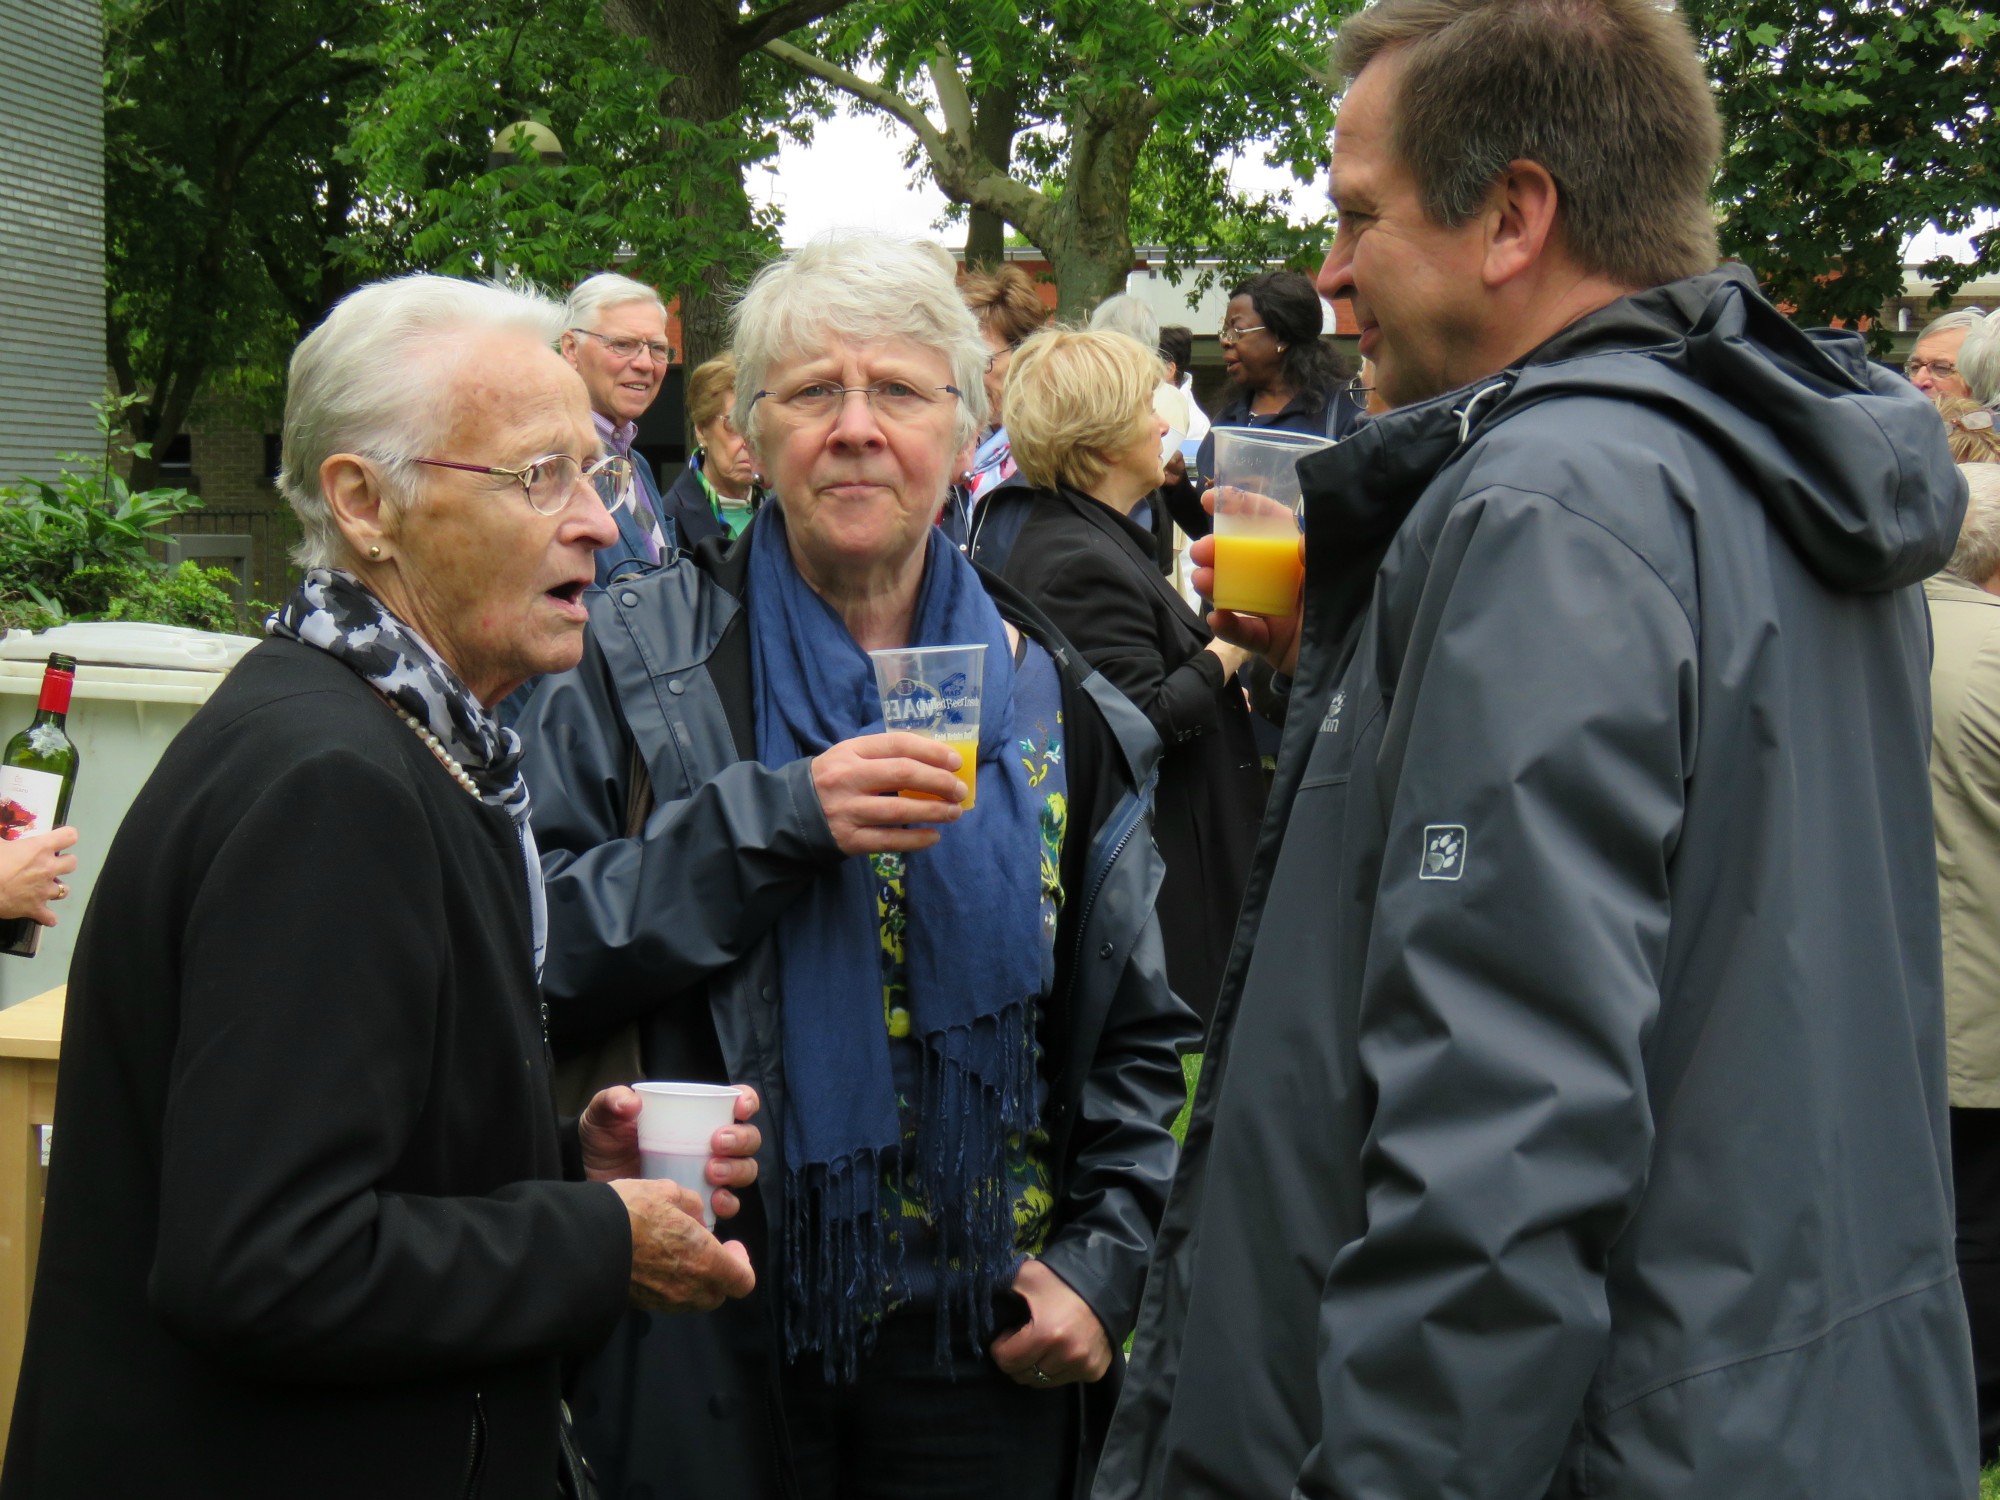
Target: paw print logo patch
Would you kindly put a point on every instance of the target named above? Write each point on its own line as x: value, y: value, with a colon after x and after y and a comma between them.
x: 1444, y: 852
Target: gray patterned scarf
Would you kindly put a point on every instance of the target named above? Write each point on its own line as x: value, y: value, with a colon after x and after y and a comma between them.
x: 334, y: 612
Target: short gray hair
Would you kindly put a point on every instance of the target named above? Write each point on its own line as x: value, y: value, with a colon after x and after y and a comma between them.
x: 1126, y: 314
x: 867, y: 287
x: 1976, y: 558
x: 607, y: 289
x: 1979, y: 360
x: 374, y: 379
x: 1965, y: 317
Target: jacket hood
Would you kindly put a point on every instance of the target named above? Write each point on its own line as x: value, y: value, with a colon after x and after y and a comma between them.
x: 1848, y: 458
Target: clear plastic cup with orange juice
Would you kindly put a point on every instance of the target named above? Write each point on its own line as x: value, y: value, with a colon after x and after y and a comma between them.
x: 1257, y: 566
x: 934, y: 691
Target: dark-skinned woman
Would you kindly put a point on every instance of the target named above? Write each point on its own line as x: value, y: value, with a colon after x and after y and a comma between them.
x: 1281, y: 375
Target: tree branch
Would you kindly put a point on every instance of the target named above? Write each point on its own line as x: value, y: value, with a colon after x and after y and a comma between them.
x: 952, y: 97
x: 756, y: 31
x: 934, y: 142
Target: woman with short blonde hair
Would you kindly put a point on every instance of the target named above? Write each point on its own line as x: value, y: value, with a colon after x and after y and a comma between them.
x: 717, y: 493
x: 1088, y: 443
x: 1085, y: 398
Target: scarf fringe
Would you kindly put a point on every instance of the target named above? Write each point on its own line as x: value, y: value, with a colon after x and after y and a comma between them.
x: 977, y: 1098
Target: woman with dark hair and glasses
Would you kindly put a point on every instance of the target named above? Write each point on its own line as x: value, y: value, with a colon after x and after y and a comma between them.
x: 1282, y: 374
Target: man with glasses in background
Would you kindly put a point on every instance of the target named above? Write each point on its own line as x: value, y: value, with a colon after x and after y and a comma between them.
x: 1933, y: 362
x: 615, y: 335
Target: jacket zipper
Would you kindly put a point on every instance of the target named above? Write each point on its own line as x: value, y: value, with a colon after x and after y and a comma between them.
x: 1131, y: 821
x: 475, y: 1455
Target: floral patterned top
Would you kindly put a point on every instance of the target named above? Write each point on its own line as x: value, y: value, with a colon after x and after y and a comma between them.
x: 1038, y: 741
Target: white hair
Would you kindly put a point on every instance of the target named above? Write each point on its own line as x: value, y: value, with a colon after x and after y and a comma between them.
x: 607, y: 289
x: 374, y: 380
x: 1126, y: 314
x: 1976, y: 558
x: 1979, y: 360
x: 1965, y: 317
x: 866, y: 287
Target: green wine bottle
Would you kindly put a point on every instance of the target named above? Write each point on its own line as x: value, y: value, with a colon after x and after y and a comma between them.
x: 37, y: 774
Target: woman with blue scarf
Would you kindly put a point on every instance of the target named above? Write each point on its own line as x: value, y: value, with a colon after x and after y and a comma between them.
x: 958, y: 1017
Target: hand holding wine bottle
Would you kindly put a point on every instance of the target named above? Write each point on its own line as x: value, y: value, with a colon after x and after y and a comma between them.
x: 31, y: 874
x: 37, y: 774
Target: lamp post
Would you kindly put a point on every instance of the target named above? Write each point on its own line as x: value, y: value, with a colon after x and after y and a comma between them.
x: 514, y: 146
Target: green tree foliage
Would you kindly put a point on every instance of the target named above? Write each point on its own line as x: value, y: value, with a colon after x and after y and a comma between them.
x: 1851, y: 125
x: 1124, y: 116
x: 224, y: 198
x: 653, y: 191
x: 82, y: 547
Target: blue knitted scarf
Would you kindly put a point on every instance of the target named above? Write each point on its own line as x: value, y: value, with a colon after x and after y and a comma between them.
x: 972, y: 962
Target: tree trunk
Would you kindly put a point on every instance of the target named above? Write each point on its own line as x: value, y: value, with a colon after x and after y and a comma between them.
x: 696, y: 42
x: 995, y: 121
x: 1090, y: 247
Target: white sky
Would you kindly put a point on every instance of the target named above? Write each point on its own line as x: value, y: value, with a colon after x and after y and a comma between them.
x: 853, y: 175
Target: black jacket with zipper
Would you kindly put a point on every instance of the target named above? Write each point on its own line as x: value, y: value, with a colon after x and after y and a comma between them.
x: 1090, y: 570
x: 676, y: 930
x: 304, y: 1232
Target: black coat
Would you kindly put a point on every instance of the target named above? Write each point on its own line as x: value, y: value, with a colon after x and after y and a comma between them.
x: 686, y: 504
x: 303, y: 1233
x: 675, y: 930
x: 1090, y: 570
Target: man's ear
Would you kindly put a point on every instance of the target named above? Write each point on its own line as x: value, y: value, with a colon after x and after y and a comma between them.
x: 567, y: 347
x: 353, y: 491
x: 1521, y: 221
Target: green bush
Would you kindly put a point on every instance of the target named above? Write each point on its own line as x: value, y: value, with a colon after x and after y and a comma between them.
x: 81, y: 548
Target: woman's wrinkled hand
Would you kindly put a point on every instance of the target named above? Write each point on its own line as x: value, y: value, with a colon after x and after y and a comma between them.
x: 678, y: 1266
x: 31, y: 874
x: 860, y: 784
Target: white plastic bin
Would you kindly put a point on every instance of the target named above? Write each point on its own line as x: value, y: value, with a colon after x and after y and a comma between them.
x: 136, y: 685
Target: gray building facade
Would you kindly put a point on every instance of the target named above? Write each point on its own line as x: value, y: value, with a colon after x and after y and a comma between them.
x: 51, y: 231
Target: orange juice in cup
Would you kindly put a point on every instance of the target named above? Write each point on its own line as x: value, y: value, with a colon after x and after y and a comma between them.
x: 1258, y: 573
x: 1257, y: 567
x: 934, y: 691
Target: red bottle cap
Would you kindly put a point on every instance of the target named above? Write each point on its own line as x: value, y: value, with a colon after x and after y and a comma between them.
x: 56, y: 685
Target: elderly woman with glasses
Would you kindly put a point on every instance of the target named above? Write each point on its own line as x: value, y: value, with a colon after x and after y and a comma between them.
x: 307, y: 1230
x: 959, y: 1013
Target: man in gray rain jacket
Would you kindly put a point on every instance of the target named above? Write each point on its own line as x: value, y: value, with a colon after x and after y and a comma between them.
x: 1574, y: 1119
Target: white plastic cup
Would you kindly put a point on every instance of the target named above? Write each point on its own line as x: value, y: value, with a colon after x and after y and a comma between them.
x: 934, y: 691
x: 677, y: 1125
x: 1257, y: 496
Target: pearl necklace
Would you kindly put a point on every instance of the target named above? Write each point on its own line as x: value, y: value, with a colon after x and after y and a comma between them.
x: 431, y: 743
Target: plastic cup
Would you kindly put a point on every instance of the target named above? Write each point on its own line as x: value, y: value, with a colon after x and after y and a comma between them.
x: 677, y: 1124
x: 1257, y: 497
x: 934, y: 691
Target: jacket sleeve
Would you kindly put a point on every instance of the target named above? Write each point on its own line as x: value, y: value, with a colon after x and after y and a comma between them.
x: 311, y: 965
x: 1107, y: 615
x: 632, y: 920
x: 1547, y: 710
x: 1123, y: 1151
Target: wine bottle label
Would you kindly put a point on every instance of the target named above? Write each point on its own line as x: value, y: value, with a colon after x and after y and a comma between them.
x: 28, y: 801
